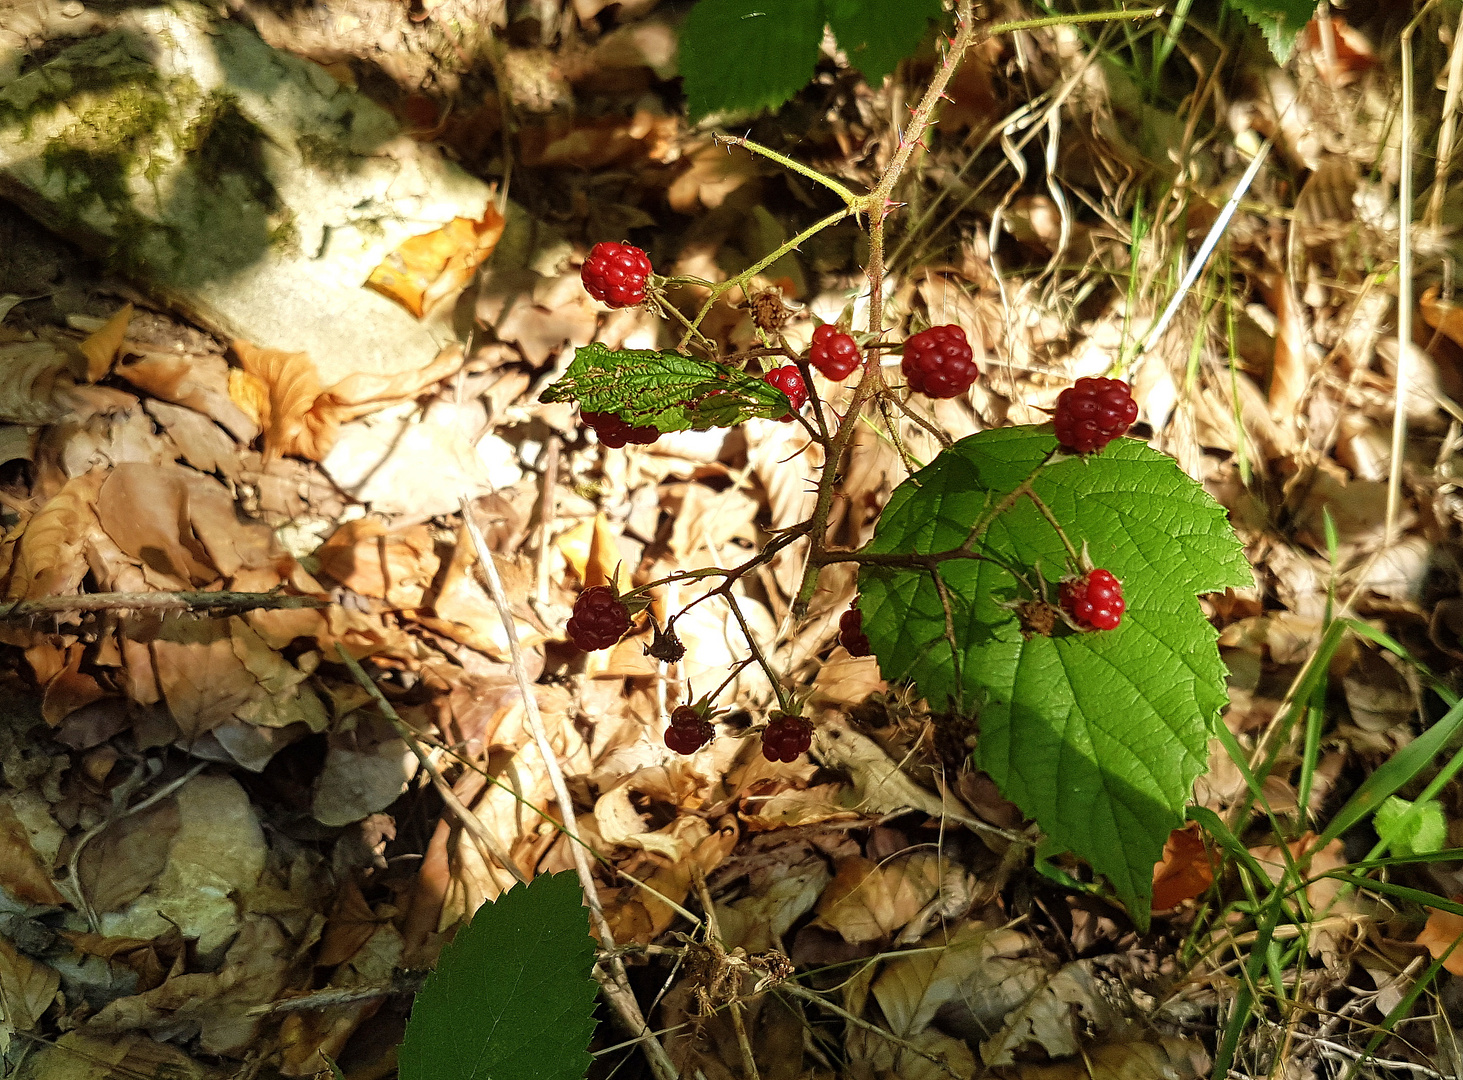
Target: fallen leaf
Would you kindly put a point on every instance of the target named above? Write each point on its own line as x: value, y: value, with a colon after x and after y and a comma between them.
x: 200, y: 383
x: 290, y: 386
x: 366, y: 770
x: 23, y: 873
x: 1185, y: 871
x: 1067, y: 1007
x: 397, y: 567
x: 1341, y: 60
x: 969, y: 963
x: 35, y: 382
x: 424, y: 270
x: 101, y: 346
x: 869, y: 901
x: 1442, y: 935
x: 200, y: 441
x: 121, y: 863
x: 27, y: 987
x: 48, y: 558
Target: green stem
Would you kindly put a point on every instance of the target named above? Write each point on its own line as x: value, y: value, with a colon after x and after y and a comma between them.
x: 798, y: 167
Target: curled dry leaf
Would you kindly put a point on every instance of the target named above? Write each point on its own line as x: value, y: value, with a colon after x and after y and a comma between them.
x: 869, y: 901
x: 282, y: 393
x: 48, y: 559
x: 200, y: 383
x: 101, y: 347
x: 27, y: 985
x: 1184, y: 872
x: 425, y: 270
x: 35, y: 380
x: 23, y: 873
x: 397, y: 567
x: 1443, y: 936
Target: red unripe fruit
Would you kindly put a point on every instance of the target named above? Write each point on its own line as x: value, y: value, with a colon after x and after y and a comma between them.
x: 612, y: 431
x: 1092, y: 413
x: 790, y: 381
x: 688, y: 738
x: 615, y: 273
x: 1095, y: 601
x: 834, y: 353
x: 939, y: 362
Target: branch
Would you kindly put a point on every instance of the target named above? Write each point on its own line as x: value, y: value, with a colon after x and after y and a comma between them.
x: 199, y: 601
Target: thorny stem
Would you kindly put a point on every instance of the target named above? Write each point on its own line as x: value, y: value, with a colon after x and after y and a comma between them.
x: 719, y: 290
x: 854, y: 202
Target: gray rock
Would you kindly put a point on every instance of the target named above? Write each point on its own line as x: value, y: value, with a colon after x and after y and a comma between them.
x: 240, y: 184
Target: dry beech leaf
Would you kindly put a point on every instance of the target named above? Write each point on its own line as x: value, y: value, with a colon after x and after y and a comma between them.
x: 292, y: 384
x: 101, y: 347
x: 23, y: 874
x: 1185, y: 871
x: 36, y: 379
x: 48, y: 559
x: 397, y: 567
x: 1442, y: 931
x: 362, y: 393
x: 69, y: 689
x: 1290, y: 370
x: 869, y: 901
x: 987, y: 969
x: 122, y: 863
x: 200, y: 383
x: 28, y: 987
x: 199, y: 441
x: 424, y: 270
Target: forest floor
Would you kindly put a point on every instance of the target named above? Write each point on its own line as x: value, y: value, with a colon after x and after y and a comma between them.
x: 206, y: 819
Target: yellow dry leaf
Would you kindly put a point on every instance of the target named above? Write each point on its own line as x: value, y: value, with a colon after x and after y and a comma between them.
x: 101, y: 346
x: 593, y: 553
x: 293, y: 386
x: 426, y: 269
x: 48, y: 559
x: 397, y: 567
x: 249, y: 394
x: 27, y: 987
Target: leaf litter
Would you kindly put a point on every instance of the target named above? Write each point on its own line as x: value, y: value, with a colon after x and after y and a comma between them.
x: 158, y: 913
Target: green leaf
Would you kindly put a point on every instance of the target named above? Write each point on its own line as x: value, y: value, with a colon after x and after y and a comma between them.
x: 1097, y: 736
x: 877, y: 34
x: 513, y: 995
x: 665, y: 390
x: 1281, y: 21
x: 746, y: 55
x: 1411, y: 828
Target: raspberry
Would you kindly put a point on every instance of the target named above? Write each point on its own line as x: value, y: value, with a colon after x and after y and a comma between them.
x: 939, y: 363
x: 599, y: 620
x: 1095, y: 600
x: 790, y: 381
x: 1093, y: 413
x: 786, y: 737
x: 613, y: 431
x: 615, y: 273
x: 851, y: 633
x: 834, y: 353
x: 689, y: 730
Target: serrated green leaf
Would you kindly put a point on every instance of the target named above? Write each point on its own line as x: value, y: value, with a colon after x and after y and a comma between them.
x: 748, y: 55
x: 513, y: 994
x: 1281, y: 21
x: 1097, y: 736
x: 665, y: 390
x: 877, y: 34
x: 1411, y: 828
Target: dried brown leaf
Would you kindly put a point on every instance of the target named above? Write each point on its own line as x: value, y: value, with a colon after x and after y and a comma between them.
x: 1185, y: 871
x: 23, y: 873
x: 48, y: 558
x: 122, y: 863
x: 27, y: 987
x: 1442, y: 933
x: 293, y: 385
x: 395, y: 566
x: 200, y: 383
x: 869, y: 901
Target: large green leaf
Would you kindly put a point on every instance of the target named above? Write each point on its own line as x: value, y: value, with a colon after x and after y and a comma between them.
x: 877, y: 34
x: 665, y: 390
x: 513, y: 995
x: 745, y: 55
x: 1097, y: 736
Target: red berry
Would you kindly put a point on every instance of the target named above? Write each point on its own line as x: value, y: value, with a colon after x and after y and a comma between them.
x: 600, y: 619
x: 687, y: 740
x: 1095, y: 601
x: 851, y: 633
x: 1093, y: 413
x: 615, y: 273
x: 612, y: 431
x: 834, y: 353
x: 786, y: 737
x: 939, y: 363
x: 790, y: 381
x: 685, y: 715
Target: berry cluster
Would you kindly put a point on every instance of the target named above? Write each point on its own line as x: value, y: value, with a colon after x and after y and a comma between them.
x: 785, y: 737
x: 1092, y: 413
x: 613, y: 431
x: 939, y: 362
x: 616, y: 273
x: 599, y: 619
x: 1094, y: 600
x: 790, y: 381
x: 834, y: 353
x: 689, y: 730
x: 851, y: 633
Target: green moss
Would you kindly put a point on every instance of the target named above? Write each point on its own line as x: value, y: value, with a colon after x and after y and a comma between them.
x: 223, y: 140
x: 328, y: 155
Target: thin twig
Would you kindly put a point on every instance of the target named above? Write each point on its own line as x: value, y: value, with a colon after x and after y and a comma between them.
x: 487, y: 844
x: 193, y: 600
x: 615, y: 984
x: 713, y: 931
